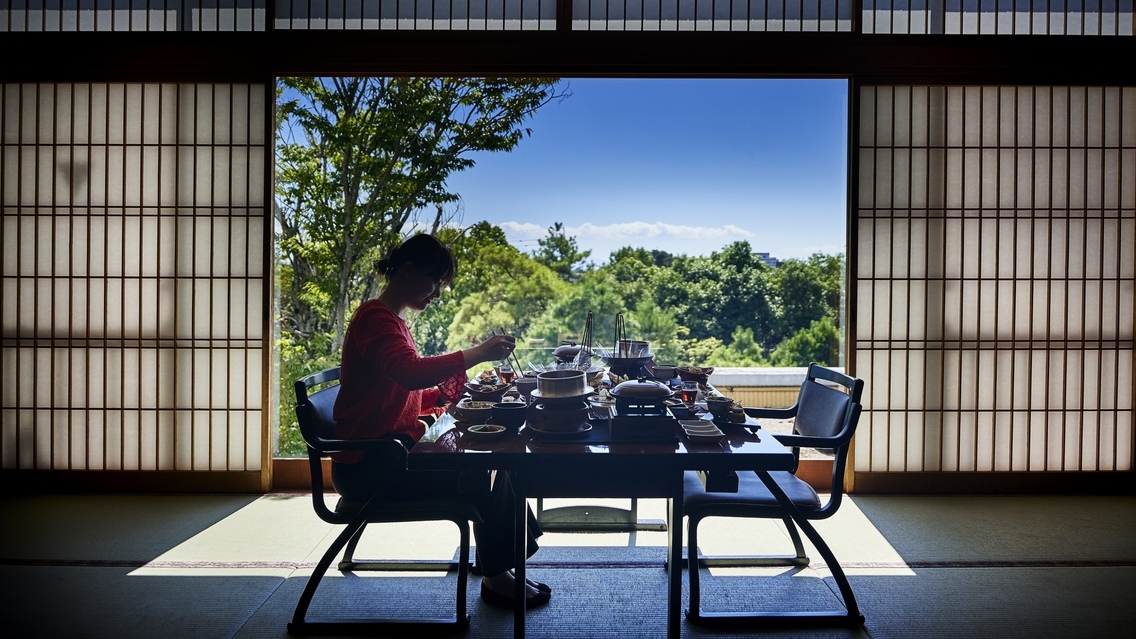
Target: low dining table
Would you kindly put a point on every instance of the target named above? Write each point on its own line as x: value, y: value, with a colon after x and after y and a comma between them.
x: 594, y: 464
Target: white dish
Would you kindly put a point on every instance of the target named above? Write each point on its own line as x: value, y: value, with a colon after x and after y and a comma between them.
x: 704, y: 438
x: 557, y: 433
x: 711, y: 428
x: 701, y: 432
x: 486, y: 430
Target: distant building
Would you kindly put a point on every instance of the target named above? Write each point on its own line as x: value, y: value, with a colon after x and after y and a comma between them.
x: 769, y: 261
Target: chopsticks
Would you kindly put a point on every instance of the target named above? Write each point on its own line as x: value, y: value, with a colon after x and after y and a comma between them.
x: 517, y: 363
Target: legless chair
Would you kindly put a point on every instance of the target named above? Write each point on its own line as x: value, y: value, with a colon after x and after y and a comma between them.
x: 314, y: 412
x: 825, y: 417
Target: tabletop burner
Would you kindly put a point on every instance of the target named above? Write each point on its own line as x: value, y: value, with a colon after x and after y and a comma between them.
x: 640, y: 407
x: 653, y: 423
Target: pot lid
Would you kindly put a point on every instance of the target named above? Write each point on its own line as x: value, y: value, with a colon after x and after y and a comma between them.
x: 569, y: 351
x: 641, y: 388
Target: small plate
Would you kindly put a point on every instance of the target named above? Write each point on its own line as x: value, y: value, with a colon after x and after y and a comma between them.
x: 565, y: 434
x: 485, y: 431
x: 705, y: 438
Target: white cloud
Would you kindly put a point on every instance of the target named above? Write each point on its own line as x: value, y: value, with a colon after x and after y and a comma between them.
x: 678, y: 239
x: 654, y: 230
x: 523, y: 230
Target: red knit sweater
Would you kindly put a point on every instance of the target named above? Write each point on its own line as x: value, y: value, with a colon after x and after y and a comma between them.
x: 385, y: 385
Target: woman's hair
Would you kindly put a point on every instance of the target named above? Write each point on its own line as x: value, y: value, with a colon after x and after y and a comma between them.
x: 428, y: 254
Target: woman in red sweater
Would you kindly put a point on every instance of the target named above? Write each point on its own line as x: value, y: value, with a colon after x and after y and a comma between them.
x: 386, y: 387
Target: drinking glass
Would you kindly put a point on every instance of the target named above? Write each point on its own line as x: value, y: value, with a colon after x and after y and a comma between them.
x: 507, y: 373
x: 689, y: 393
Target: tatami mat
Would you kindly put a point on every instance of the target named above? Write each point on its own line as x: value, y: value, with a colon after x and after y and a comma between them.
x: 234, y: 566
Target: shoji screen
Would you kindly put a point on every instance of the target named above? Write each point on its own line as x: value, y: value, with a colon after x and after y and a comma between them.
x: 994, y: 278
x: 134, y: 276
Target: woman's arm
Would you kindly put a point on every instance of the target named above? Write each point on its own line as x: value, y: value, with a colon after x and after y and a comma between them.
x: 386, y: 344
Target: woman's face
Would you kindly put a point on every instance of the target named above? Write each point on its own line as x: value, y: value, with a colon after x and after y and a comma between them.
x: 424, y: 287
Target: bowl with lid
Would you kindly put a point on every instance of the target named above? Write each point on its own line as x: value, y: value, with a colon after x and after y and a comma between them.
x: 568, y: 352
x: 641, y: 393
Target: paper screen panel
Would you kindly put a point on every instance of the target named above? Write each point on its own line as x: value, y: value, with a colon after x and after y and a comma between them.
x: 133, y: 235
x: 994, y: 278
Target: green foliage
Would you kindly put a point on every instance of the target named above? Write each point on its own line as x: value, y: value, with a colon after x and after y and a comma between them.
x: 659, y: 327
x: 561, y: 254
x: 296, y: 362
x: 713, y: 295
x: 598, y: 293
x: 358, y: 160
x: 742, y: 351
x: 517, y: 289
x: 819, y: 342
x: 805, y: 291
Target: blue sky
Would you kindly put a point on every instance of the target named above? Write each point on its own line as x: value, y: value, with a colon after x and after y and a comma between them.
x: 685, y: 166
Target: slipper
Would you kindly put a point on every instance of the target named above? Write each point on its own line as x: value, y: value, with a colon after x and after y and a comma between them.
x: 501, y: 601
x: 539, y: 586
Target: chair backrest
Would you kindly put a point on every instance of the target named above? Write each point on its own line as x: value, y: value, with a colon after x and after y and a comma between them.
x: 314, y: 411
x: 829, y: 411
x: 823, y: 410
x: 314, y: 414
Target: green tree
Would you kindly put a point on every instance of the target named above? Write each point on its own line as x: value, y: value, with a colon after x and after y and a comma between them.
x: 714, y: 295
x: 659, y: 327
x: 561, y: 253
x: 359, y: 158
x: 819, y: 342
x: 517, y: 290
x: 597, y: 293
x: 806, y: 291
x: 359, y: 161
x: 431, y: 327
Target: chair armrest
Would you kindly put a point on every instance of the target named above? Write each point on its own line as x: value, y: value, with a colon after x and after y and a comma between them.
x: 377, y: 445
x: 801, y: 441
x: 772, y: 413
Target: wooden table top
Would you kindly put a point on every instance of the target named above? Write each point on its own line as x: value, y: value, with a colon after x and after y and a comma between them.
x: 448, y: 445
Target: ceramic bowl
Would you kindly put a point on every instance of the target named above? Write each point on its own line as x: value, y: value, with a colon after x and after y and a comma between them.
x: 473, y: 411
x: 525, y: 386
x: 511, y: 415
x: 486, y: 393
x: 719, y: 407
x: 700, y: 374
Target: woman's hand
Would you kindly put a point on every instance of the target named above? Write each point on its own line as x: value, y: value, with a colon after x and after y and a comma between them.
x: 496, y: 348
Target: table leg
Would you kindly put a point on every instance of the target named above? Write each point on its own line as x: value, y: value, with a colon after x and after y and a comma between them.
x: 520, y: 553
x: 674, y: 560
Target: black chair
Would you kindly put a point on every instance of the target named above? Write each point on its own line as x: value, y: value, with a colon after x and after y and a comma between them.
x: 314, y: 413
x: 824, y: 417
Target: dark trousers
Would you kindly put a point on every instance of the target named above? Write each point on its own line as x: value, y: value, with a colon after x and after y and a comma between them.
x: 492, y: 496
